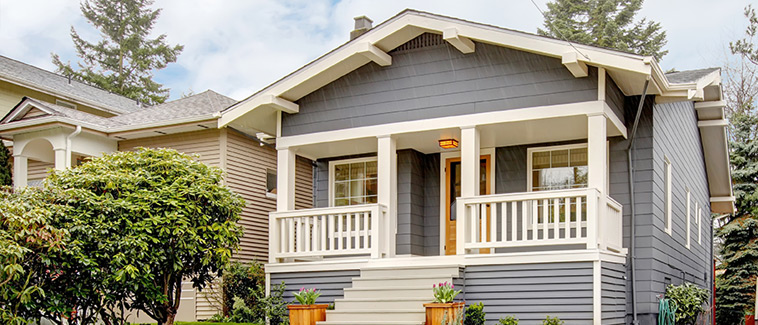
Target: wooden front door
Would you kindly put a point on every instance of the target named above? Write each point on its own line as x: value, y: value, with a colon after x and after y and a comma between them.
x: 453, y: 191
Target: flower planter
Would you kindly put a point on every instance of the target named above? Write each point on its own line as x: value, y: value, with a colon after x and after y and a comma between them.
x: 435, y: 312
x: 307, y: 314
x: 749, y: 319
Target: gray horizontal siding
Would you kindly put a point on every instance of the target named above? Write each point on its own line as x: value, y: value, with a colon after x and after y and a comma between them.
x: 439, y: 81
x: 614, y: 98
x: 613, y: 288
x: 330, y: 283
x: 532, y: 291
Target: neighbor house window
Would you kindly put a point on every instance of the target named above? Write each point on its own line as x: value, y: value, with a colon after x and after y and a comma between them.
x: 558, y: 168
x: 270, y: 183
x: 689, y: 218
x: 667, y: 193
x: 353, y: 181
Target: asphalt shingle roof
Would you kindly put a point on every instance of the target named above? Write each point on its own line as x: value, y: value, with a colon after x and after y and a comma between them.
x: 62, y: 111
x: 688, y: 76
x: 53, y: 82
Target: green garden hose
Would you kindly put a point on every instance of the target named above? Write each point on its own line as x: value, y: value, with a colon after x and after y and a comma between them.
x: 666, y: 312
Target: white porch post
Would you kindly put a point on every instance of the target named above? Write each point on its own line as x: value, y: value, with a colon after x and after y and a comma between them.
x: 387, y: 187
x: 285, y: 179
x: 60, y: 158
x: 596, y: 179
x: 20, y: 171
x: 470, y: 169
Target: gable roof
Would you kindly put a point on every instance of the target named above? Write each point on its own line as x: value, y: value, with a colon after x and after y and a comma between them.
x: 629, y: 71
x: 204, y: 103
x: 689, y: 76
x: 29, y: 76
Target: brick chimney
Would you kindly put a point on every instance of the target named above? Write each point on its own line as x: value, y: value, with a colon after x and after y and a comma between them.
x: 362, y: 25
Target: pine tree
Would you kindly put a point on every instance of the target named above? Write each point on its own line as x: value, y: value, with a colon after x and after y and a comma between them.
x: 6, y: 178
x: 605, y: 23
x: 123, y: 61
x: 735, y: 288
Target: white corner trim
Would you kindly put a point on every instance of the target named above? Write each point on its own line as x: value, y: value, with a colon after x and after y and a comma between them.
x: 597, y: 293
x: 373, y: 53
x: 572, y: 63
x: 463, y: 44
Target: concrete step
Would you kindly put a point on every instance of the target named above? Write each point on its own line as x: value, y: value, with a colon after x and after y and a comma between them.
x: 354, y: 315
x: 381, y: 304
x: 397, y: 281
x: 390, y: 292
x: 403, y: 271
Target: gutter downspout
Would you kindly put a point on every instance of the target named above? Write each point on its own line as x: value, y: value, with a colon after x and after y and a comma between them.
x: 630, y: 168
x: 68, y: 144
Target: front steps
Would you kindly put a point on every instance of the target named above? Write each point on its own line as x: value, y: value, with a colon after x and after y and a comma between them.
x: 389, y: 295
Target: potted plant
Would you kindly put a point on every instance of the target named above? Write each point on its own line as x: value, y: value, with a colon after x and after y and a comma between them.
x: 443, y: 306
x: 308, y: 312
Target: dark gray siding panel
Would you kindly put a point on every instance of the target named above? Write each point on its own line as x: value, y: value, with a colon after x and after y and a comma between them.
x: 439, y: 81
x: 432, y: 205
x: 330, y: 283
x: 613, y: 288
x: 532, y: 291
x: 410, y: 202
x: 615, y: 98
x: 510, y: 169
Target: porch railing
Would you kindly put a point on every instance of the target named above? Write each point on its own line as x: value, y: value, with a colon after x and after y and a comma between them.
x: 334, y: 231
x: 545, y: 218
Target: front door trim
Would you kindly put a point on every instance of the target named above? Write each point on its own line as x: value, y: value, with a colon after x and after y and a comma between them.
x: 444, y: 156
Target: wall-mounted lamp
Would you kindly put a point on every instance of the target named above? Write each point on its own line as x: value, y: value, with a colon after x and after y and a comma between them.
x: 448, y: 143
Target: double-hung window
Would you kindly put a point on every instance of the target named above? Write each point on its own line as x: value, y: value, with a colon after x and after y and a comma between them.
x: 558, y: 168
x: 353, y: 181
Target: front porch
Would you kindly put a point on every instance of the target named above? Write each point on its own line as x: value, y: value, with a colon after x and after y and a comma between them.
x: 560, y: 201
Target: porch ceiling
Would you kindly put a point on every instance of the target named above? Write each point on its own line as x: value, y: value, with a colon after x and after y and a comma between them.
x: 492, y: 135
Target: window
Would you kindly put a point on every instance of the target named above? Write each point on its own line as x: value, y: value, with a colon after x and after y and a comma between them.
x: 354, y: 181
x: 557, y: 168
x: 65, y: 104
x: 271, y: 183
x: 699, y: 226
x: 667, y: 193
x: 689, y: 218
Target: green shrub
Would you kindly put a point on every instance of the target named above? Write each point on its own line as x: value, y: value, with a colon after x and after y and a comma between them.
x: 508, y: 320
x: 690, y: 301
x: 246, y: 282
x: 275, y: 306
x: 552, y: 321
x: 475, y: 314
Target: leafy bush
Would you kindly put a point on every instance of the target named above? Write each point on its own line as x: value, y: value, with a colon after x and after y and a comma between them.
x: 246, y: 282
x: 276, y: 307
x: 307, y: 296
x: 552, y: 321
x: 444, y: 292
x: 690, y: 301
x: 475, y: 314
x: 508, y: 320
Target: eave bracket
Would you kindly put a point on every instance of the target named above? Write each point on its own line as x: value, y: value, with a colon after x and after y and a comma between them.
x: 463, y: 44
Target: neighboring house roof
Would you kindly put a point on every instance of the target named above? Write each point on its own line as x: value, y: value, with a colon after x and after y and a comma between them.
x: 200, y: 107
x: 60, y: 86
x: 689, y: 76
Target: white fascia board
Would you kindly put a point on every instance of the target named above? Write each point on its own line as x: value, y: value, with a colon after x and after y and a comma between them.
x: 435, y: 24
x: 50, y: 119
x: 54, y: 93
x: 137, y: 127
x: 23, y: 109
x: 461, y: 43
x: 514, y: 115
x: 102, y: 129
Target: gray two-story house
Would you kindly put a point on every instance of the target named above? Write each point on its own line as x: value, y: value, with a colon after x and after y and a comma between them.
x: 542, y: 178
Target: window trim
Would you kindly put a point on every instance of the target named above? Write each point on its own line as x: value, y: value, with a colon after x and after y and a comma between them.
x: 276, y: 175
x: 531, y: 150
x: 698, y: 220
x: 333, y: 163
x: 668, y: 220
x: 689, y: 219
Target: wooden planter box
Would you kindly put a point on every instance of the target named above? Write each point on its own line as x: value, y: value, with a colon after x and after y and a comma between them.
x: 749, y: 319
x: 307, y: 314
x: 435, y: 312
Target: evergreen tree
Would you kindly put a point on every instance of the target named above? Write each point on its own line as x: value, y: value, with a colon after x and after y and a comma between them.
x: 6, y: 178
x: 604, y: 23
x: 735, y: 288
x: 123, y: 61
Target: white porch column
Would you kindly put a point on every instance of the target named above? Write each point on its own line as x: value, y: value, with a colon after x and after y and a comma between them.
x: 20, y: 171
x: 60, y: 159
x: 285, y: 179
x: 597, y: 157
x: 470, y: 170
x: 387, y: 187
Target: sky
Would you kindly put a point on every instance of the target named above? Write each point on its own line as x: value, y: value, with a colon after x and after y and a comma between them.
x: 236, y: 47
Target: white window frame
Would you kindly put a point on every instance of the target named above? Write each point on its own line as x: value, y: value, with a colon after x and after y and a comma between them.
x: 334, y: 163
x: 689, y: 219
x: 530, y: 152
x: 65, y: 104
x: 269, y: 194
x: 668, y: 220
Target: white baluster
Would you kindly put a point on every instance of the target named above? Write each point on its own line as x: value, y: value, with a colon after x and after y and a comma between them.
x: 556, y: 219
x: 514, y: 218
x: 349, y: 224
x: 578, y: 217
x: 567, y: 218
x: 544, y: 218
x: 493, y: 224
x: 340, y: 244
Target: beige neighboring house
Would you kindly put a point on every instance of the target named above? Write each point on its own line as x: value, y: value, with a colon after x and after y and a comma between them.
x: 52, y: 122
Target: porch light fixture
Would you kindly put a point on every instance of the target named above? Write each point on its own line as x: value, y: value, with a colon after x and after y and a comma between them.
x: 448, y: 143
